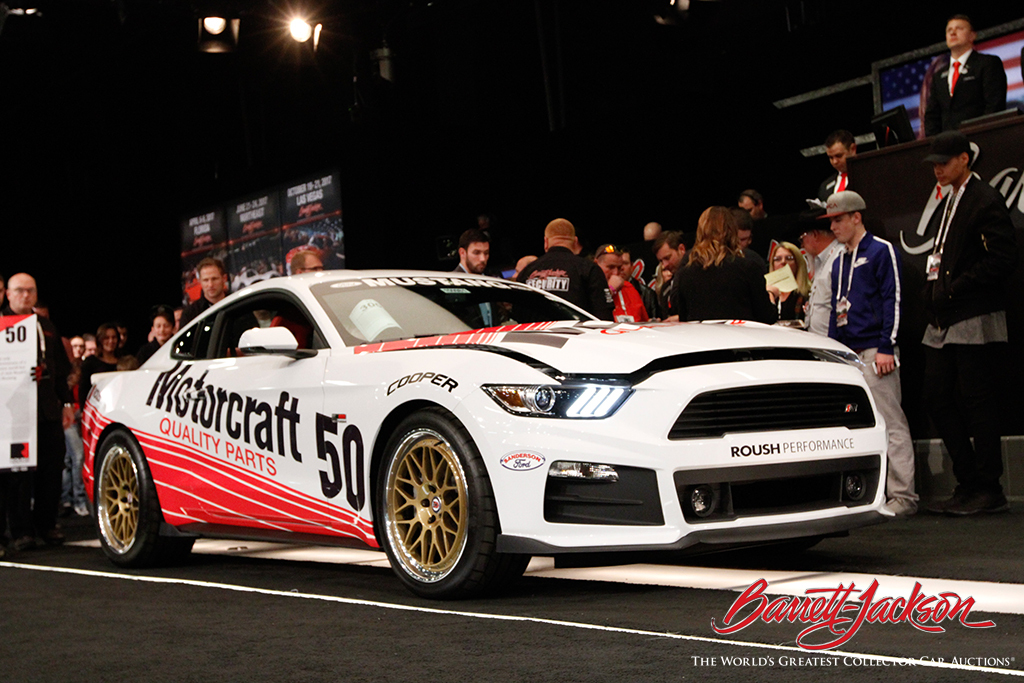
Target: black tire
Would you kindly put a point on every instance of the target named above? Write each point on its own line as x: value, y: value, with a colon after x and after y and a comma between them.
x: 436, y: 511
x: 127, y: 511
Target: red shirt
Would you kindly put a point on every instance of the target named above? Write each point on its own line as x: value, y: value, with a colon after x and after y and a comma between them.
x: 629, y: 306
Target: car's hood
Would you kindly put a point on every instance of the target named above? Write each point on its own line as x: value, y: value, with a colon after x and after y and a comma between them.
x: 598, y: 347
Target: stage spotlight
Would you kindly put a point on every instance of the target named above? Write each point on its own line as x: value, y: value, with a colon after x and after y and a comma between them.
x: 300, y: 29
x: 218, y: 34
x: 215, y: 25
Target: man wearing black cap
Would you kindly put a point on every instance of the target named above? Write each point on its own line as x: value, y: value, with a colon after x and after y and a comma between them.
x: 866, y: 303
x: 973, y: 254
x: 821, y: 245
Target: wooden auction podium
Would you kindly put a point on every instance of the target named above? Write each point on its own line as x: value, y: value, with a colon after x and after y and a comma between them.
x: 901, y: 195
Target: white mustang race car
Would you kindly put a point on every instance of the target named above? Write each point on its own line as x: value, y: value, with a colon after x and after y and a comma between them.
x: 464, y: 424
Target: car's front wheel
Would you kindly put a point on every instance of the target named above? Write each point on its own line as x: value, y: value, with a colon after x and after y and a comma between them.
x: 128, y: 513
x: 437, y: 511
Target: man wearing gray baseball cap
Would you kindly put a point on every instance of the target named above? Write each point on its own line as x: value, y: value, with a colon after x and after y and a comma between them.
x: 973, y: 254
x: 866, y: 308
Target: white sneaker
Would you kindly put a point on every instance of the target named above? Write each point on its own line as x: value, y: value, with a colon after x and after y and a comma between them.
x: 82, y: 510
x: 901, y: 507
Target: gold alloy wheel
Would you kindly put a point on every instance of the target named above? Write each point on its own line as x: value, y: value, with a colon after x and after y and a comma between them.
x: 118, y: 500
x: 427, y: 510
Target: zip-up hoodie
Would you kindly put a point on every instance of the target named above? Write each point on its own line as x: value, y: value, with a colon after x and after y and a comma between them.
x: 875, y: 295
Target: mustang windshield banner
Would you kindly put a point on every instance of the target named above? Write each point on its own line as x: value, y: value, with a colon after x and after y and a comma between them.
x: 18, y: 353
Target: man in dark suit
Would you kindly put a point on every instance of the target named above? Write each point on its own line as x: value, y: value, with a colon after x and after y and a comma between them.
x: 972, y: 85
x: 839, y: 146
x: 973, y: 255
x: 54, y: 413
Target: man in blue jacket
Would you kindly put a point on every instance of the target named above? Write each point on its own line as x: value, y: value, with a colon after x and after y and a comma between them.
x: 866, y: 301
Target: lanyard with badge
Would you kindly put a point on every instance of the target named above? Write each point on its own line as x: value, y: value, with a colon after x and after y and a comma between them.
x: 625, y: 317
x: 935, y: 258
x: 843, y: 303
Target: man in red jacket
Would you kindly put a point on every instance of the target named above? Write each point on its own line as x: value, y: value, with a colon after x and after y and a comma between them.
x: 629, y: 305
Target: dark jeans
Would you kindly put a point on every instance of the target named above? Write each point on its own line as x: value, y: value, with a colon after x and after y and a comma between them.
x: 961, y: 393
x: 26, y: 518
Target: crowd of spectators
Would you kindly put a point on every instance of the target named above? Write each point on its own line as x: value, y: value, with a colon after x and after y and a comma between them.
x: 30, y: 502
x: 738, y: 264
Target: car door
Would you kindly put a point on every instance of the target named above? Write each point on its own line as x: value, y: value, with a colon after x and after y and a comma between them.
x: 255, y: 422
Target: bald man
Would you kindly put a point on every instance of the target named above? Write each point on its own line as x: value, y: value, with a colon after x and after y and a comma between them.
x: 561, y: 272
x: 54, y: 413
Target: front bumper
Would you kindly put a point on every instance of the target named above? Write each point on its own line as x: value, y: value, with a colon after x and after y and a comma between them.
x: 648, y: 513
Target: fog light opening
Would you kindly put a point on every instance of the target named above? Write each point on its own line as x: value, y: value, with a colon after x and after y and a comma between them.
x: 703, y: 500
x: 853, y: 486
x: 582, y: 470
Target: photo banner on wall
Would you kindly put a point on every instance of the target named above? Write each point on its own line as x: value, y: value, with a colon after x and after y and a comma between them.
x: 254, y: 240
x: 202, y: 235
x: 257, y: 235
x: 311, y: 211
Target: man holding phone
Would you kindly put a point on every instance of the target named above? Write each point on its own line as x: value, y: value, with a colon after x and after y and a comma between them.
x: 866, y: 302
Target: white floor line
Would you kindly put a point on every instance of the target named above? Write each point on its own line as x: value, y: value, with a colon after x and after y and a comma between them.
x: 999, y: 598
x: 515, y: 618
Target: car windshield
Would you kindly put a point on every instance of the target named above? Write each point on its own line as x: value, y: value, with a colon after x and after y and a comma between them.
x: 389, y: 308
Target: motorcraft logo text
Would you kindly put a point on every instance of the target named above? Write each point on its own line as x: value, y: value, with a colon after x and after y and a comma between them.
x: 811, y: 446
x: 834, y: 615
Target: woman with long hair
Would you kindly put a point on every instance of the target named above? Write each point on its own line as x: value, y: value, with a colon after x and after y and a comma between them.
x: 718, y: 283
x: 790, y: 305
x: 105, y: 360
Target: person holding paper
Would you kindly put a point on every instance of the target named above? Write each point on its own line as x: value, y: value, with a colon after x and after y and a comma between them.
x: 866, y: 302
x: 55, y: 412
x: 787, y: 282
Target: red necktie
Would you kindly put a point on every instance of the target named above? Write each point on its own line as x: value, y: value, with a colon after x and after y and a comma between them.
x: 956, y: 76
x: 841, y: 185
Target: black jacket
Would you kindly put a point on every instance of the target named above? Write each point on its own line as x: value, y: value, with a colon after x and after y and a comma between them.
x: 734, y: 290
x: 53, y: 391
x: 194, y: 310
x: 981, y: 89
x: 979, y: 255
x: 575, y: 279
x: 828, y: 187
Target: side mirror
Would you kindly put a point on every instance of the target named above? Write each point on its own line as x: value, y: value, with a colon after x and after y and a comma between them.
x: 277, y: 341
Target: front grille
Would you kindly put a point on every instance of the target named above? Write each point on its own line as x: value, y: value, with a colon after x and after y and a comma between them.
x: 773, y: 407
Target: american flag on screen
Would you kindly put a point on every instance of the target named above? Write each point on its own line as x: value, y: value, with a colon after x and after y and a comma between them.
x: 902, y: 85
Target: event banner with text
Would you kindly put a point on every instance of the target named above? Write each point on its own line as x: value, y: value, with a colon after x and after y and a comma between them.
x: 19, y: 346
x: 257, y: 235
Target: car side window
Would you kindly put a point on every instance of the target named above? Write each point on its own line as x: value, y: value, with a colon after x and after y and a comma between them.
x: 265, y: 310
x: 194, y: 344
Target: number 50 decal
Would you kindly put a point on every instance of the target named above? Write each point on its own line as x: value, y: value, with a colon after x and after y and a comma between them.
x: 351, y: 453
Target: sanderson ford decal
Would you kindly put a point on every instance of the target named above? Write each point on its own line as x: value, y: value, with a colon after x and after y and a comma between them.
x: 522, y: 462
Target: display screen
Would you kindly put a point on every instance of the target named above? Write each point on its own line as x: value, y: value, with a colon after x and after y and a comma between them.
x: 902, y: 83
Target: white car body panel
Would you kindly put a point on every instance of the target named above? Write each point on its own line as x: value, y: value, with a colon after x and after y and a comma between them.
x: 207, y: 478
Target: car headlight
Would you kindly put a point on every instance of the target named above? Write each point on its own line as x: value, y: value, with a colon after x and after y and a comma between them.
x: 578, y: 401
x: 836, y: 356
